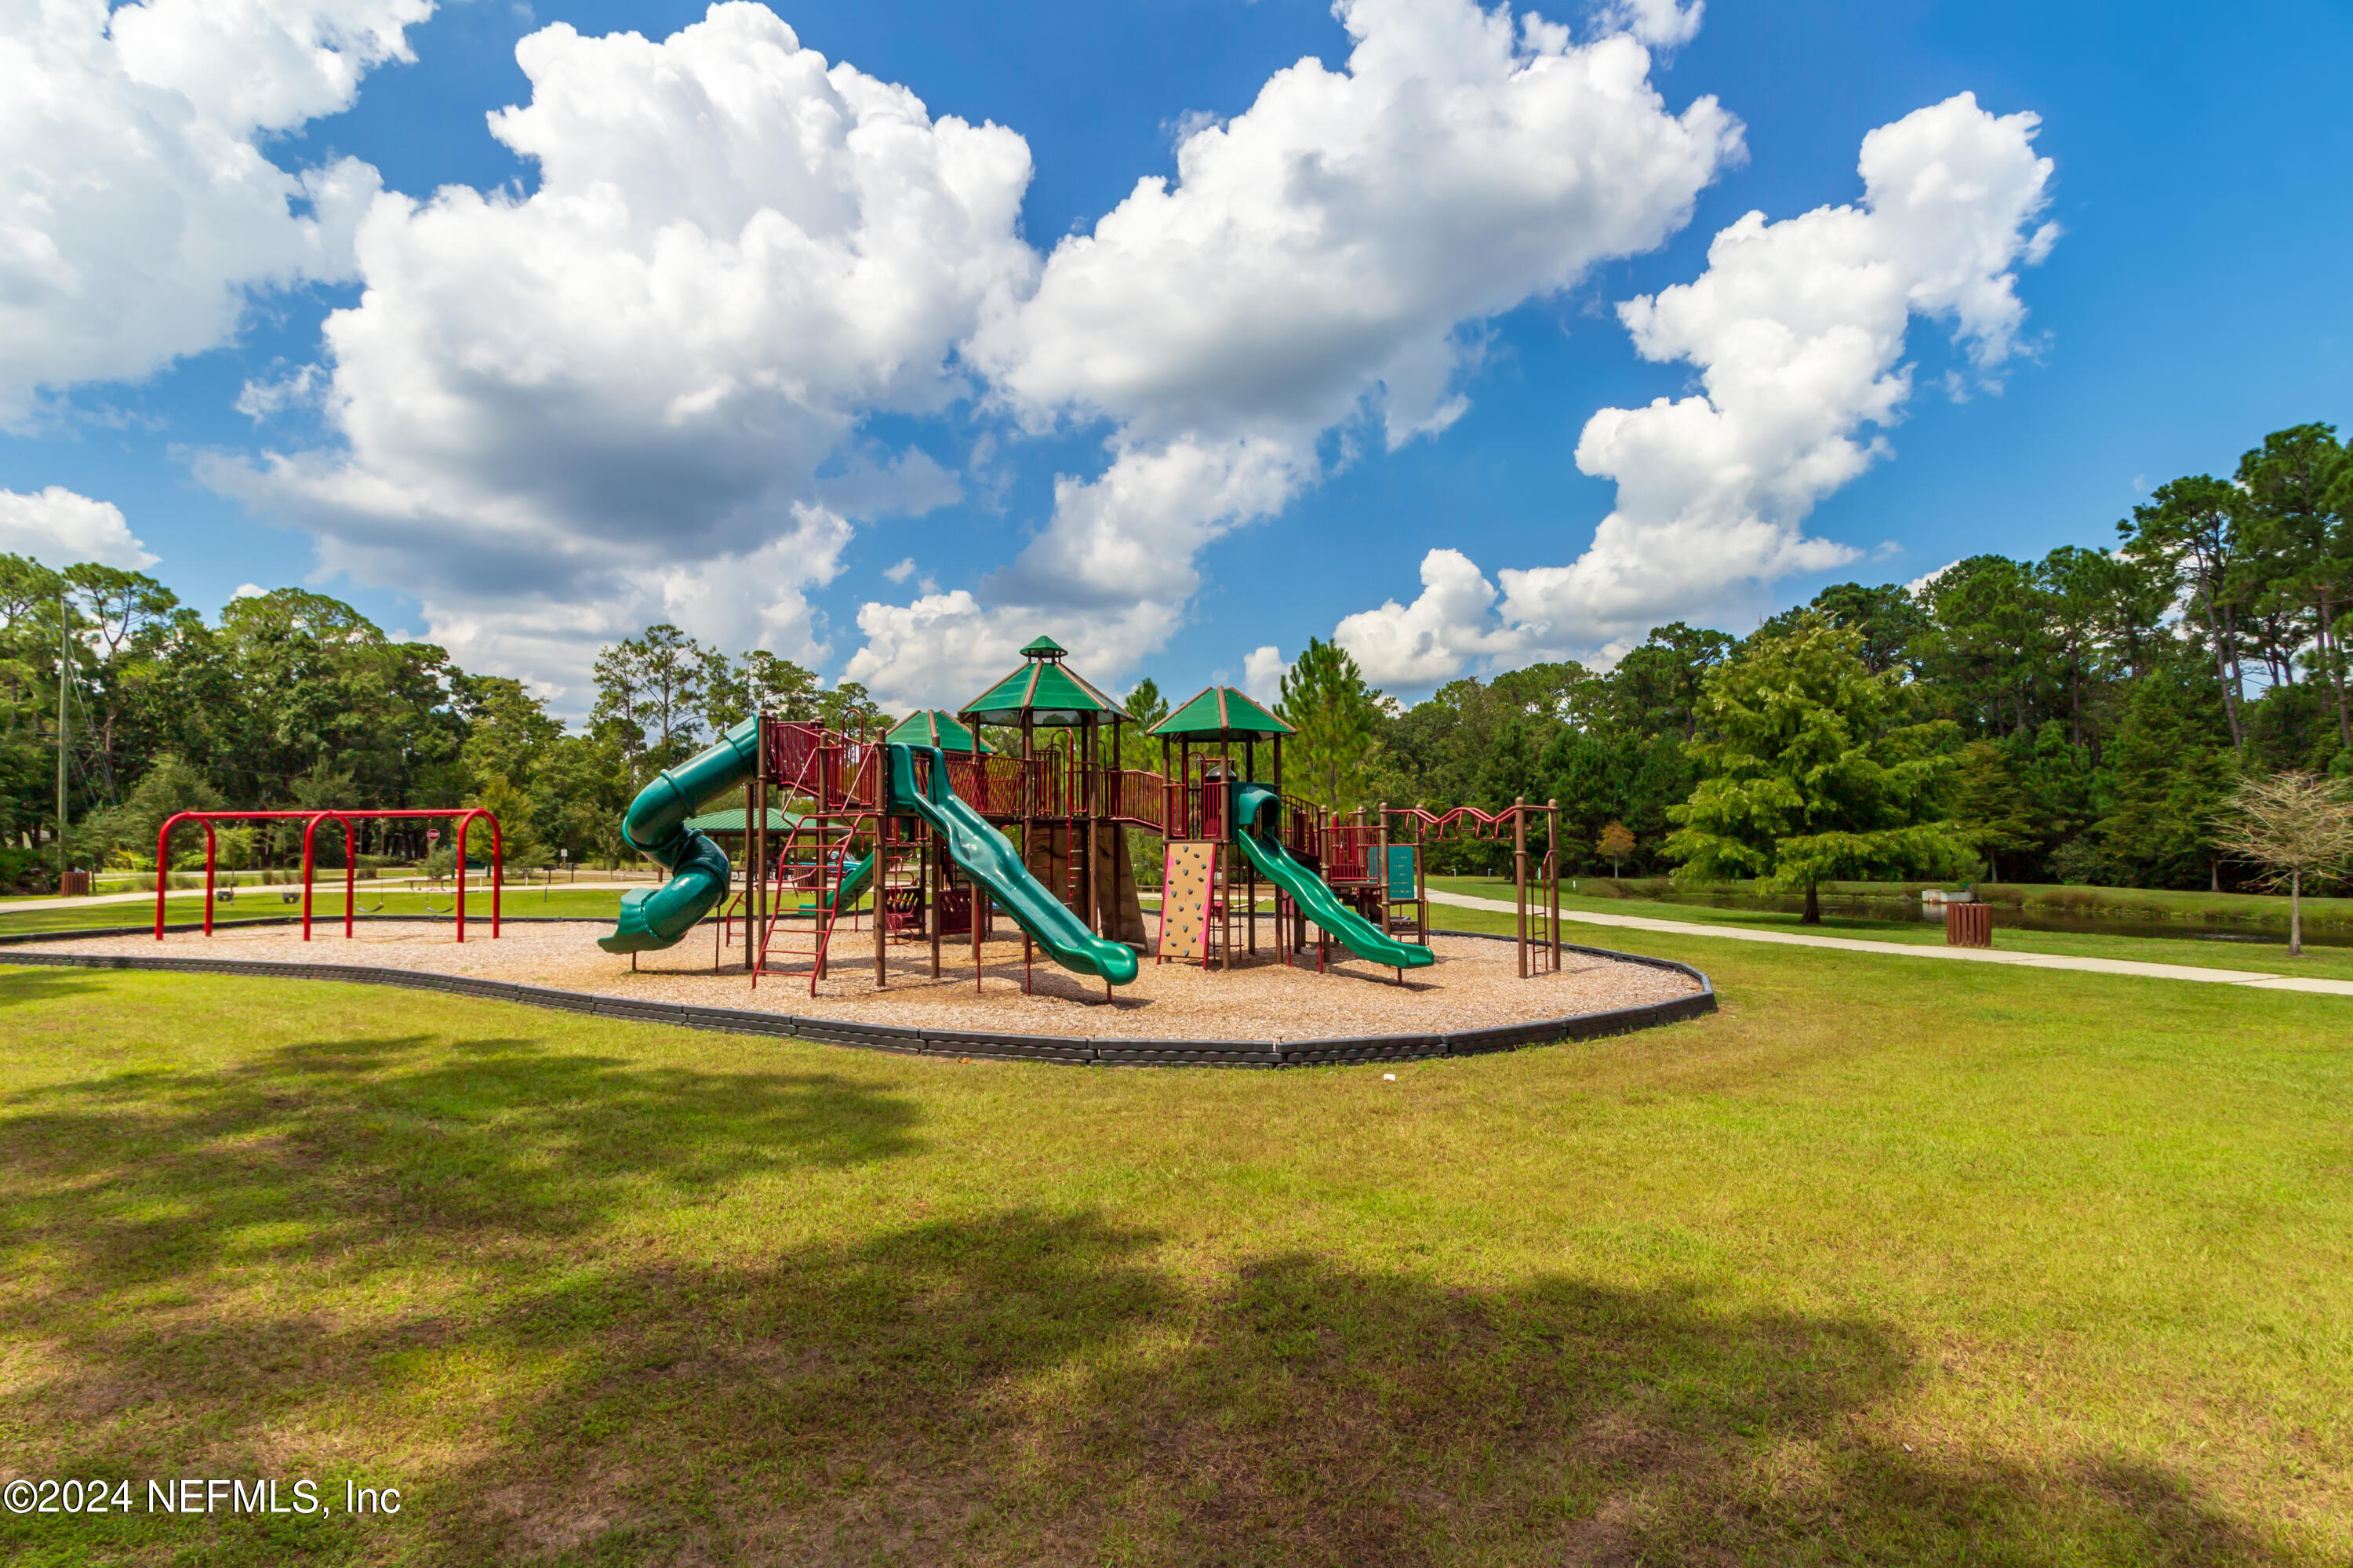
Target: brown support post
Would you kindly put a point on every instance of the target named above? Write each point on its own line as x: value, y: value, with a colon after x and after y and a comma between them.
x: 1224, y: 845
x: 1421, y: 880
x: 1184, y: 776
x: 755, y: 927
x: 742, y: 900
x: 1028, y: 808
x: 972, y: 883
x: 881, y: 871
x: 1520, y: 878
x: 1281, y: 931
x: 1093, y: 776
x: 1552, y: 832
x: 1324, y: 822
x: 1249, y: 874
x: 822, y: 914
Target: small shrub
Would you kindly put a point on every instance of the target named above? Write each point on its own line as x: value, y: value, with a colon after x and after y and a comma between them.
x: 2080, y: 863
x: 22, y: 871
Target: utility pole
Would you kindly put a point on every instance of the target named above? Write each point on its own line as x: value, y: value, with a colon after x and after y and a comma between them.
x: 63, y: 646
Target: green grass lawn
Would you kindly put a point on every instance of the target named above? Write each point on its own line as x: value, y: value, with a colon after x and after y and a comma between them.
x: 1884, y: 1263
x: 2269, y: 957
x: 2266, y: 911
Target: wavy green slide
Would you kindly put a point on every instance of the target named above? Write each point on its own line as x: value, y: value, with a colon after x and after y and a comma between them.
x: 989, y: 858
x: 654, y: 918
x: 1356, y: 933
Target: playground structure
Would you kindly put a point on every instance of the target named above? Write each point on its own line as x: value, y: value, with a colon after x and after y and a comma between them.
x: 906, y: 838
x: 1220, y: 825
x: 1541, y: 956
x: 466, y: 816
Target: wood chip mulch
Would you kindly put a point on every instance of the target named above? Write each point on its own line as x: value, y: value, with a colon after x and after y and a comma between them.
x: 1474, y: 984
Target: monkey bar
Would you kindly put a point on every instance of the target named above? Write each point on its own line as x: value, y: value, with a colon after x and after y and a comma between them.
x: 1430, y: 827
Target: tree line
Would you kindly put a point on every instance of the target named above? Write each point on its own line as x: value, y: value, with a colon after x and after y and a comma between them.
x: 295, y: 700
x: 2084, y: 717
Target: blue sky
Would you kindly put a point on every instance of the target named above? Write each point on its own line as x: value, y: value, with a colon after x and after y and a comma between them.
x: 2193, y: 299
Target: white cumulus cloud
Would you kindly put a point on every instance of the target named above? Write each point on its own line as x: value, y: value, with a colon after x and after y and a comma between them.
x: 564, y: 412
x: 1798, y: 331
x: 136, y: 205
x: 1321, y: 260
x: 59, y: 528
x: 1264, y: 669
x: 1662, y: 24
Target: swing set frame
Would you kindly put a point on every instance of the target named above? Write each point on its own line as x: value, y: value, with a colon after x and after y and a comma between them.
x: 466, y: 816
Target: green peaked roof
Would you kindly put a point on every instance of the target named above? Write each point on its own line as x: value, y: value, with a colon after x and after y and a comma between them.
x: 1220, y: 713
x: 937, y: 726
x: 1048, y: 692
x: 1043, y: 648
x: 732, y: 819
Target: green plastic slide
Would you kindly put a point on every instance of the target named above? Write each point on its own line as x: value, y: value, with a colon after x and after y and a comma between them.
x: 989, y: 858
x: 654, y: 918
x: 1356, y: 933
x: 852, y: 885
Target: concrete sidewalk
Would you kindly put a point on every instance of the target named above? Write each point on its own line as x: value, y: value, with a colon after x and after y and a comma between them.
x: 2248, y: 978
x: 324, y: 885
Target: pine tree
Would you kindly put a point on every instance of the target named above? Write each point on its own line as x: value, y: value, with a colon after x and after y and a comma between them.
x: 2171, y: 770
x: 1326, y: 701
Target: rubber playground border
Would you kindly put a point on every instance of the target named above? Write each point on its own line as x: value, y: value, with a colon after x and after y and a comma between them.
x: 1067, y: 1050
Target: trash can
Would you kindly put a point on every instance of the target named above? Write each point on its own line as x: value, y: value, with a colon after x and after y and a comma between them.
x: 75, y: 884
x: 1969, y: 925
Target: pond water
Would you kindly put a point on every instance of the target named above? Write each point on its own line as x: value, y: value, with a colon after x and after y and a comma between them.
x: 1898, y: 907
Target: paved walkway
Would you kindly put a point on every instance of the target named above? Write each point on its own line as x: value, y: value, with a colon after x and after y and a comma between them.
x: 474, y: 887
x: 2248, y: 978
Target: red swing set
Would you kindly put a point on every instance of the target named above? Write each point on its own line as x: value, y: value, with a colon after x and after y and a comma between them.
x: 465, y: 819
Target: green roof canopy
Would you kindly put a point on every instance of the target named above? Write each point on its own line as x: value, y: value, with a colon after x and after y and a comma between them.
x: 731, y: 820
x: 1045, y: 691
x: 1220, y: 713
x: 937, y: 726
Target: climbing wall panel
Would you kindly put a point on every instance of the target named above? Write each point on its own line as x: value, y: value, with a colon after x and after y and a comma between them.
x: 1187, y: 874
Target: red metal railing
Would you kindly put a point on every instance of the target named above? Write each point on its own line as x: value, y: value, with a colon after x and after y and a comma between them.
x: 1348, y: 851
x: 1302, y: 831
x: 863, y: 784
x: 1482, y: 824
x: 1132, y: 795
x: 1191, y: 810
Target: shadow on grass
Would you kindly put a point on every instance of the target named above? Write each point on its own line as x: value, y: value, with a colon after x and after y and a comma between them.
x: 40, y: 983
x: 471, y: 1270
x: 353, y: 1147
x: 1019, y: 1387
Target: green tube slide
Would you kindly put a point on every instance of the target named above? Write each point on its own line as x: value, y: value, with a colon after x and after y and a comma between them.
x: 1356, y: 933
x: 989, y: 858
x: 655, y: 917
